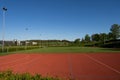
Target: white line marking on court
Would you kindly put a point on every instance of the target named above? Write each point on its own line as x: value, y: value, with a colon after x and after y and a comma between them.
x: 109, y: 67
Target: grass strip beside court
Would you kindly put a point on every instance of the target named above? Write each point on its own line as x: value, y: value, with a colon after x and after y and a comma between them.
x: 67, y: 50
x: 71, y: 50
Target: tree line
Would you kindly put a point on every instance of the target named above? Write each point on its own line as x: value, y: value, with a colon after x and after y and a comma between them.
x: 114, y: 34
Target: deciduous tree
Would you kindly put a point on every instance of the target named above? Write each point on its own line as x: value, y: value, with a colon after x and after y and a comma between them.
x: 115, y: 30
x: 87, y: 38
x: 77, y: 41
x: 95, y: 37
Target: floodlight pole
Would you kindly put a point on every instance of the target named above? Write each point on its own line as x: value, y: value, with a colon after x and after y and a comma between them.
x: 26, y: 39
x: 3, y: 28
x: 40, y: 42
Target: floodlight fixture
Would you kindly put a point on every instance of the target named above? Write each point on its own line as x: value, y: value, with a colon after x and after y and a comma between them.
x: 3, y: 28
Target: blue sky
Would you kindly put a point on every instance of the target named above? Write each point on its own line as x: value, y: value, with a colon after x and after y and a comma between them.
x: 58, y: 19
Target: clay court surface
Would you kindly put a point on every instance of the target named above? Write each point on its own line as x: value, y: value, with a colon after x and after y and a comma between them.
x: 102, y: 66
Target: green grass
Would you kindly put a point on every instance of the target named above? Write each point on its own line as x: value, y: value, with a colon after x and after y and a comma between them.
x: 9, y: 75
x: 70, y: 50
x: 66, y: 50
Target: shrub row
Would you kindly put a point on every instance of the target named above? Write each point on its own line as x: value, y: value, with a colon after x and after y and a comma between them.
x: 9, y: 75
x: 112, y: 44
x: 17, y: 48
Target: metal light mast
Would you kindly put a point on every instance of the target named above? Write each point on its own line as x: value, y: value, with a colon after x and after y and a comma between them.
x: 3, y: 28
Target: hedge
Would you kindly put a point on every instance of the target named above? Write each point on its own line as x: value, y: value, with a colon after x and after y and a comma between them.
x: 17, y: 48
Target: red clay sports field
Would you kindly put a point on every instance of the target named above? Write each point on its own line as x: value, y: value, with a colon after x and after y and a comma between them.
x: 102, y: 66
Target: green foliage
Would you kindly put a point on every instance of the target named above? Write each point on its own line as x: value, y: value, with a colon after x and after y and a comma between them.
x: 110, y: 36
x: 115, y: 30
x: 18, y: 48
x: 95, y: 37
x: 51, y: 43
x: 112, y: 44
x: 103, y: 37
x: 99, y: 39
x: 87, y: 38
x: 9, y: 75
x: 77, y: 42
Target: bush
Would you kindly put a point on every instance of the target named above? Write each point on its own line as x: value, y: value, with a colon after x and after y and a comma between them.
x: 18, y: 48
x: 9, y: 75
x: 112, y: 44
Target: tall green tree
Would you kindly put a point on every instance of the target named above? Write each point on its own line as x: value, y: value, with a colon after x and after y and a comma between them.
x: 82, y: 40
x: 103, y: 37
x: 115, y: 30
x: 110, y: 36
x: 87, y: 38
x: 95, y: 37
x: 77, y: 41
